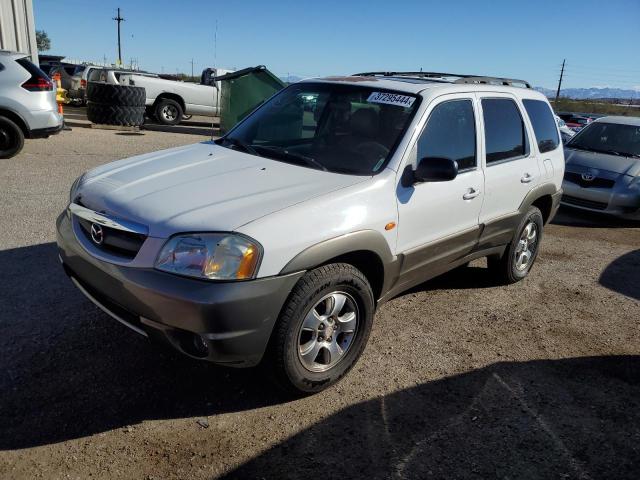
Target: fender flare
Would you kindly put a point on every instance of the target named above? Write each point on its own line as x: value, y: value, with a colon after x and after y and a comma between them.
x: 368, y: 241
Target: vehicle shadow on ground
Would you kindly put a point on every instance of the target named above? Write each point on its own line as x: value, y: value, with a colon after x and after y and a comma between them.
x: 67, y: 370
x: 623, y: 275
x: 461, y: 278
x: 571, y: 217
x: 573, y: 418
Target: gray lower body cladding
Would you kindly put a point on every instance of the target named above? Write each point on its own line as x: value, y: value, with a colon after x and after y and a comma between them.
x: 234, y: 319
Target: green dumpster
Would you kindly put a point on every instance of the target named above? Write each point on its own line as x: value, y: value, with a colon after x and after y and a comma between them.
x: 244, y: 90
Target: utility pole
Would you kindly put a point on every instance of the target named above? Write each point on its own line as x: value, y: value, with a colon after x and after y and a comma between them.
x: 119, y: 20
x: 191, y: 62
x: 560, y: 83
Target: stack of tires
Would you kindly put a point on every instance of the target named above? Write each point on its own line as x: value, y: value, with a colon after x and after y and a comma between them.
x: 121, y: 105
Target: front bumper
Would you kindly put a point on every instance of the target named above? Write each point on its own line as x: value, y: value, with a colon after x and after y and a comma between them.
x: 233, y: 319
x: 618, y: 201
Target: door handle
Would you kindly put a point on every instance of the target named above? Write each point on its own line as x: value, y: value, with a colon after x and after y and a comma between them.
x: 526, y: 178
x: 471, y: 194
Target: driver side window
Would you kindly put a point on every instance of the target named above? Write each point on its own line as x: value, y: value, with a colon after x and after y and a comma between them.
x: 450, y: 133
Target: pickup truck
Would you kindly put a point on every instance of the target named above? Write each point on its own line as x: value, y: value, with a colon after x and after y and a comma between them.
x: 168, y: 101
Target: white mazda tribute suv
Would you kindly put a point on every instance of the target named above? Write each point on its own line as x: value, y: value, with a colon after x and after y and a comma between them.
x: 276, y: 243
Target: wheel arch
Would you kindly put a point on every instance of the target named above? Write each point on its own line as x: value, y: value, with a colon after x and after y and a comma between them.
x: 17, y: 119
x: 171, y: 96
x: 545, y: 198
x: 366, y: 250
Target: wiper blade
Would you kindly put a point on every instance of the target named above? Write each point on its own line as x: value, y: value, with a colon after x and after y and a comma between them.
x: 293, y: 156
x: 244, y: 146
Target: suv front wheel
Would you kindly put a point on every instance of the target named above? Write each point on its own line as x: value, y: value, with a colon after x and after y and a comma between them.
x: 518, y: 258
x: 323, y: 328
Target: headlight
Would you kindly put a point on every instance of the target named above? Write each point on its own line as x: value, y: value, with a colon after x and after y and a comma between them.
x: 74, y: 187
x: 212, y: 256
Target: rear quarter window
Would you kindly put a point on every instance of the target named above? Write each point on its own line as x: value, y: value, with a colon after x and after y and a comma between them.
x: 544, y: 125
x: 25, y: 63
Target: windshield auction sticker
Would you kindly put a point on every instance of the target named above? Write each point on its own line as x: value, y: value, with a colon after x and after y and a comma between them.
x: 391, y: 99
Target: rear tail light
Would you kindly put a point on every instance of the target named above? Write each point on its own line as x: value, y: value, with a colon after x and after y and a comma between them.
x: 38, y: 84
x: 83, y: 83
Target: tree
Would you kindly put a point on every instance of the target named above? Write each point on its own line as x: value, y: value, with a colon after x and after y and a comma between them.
x: 42, y: 40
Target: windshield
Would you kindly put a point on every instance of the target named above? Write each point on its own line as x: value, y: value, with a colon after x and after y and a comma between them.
x: 611, y: 138
x: 334, y: 127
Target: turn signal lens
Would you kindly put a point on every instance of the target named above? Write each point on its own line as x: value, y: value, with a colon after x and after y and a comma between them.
x: 248, y: 263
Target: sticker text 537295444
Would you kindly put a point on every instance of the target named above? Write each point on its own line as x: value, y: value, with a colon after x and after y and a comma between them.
x: 391, y: 99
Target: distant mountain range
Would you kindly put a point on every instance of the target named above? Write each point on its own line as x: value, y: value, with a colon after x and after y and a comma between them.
x: 290, y: 79
x: 582, y: 93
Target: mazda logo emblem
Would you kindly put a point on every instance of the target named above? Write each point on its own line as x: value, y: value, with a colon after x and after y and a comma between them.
x: 97, y: 234
x: 588, y: 177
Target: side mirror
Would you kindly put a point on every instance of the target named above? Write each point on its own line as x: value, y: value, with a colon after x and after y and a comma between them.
x: 435, y: 169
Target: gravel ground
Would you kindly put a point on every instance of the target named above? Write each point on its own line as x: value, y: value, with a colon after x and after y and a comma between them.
x: 462, y: 378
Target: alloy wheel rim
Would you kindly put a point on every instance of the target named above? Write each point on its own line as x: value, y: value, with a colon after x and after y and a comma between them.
x: 327, y: 331
x: 527, y: 245
x: 169, y: 112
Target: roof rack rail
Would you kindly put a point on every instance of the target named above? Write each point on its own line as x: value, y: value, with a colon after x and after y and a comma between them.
x: 451, y: 78
x: 511, y: 82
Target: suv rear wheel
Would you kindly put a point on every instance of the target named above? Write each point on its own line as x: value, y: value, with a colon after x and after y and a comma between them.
x: 168, y: 112
x: 323, y: 328
x: 517, y: 260
x: 11, y: 138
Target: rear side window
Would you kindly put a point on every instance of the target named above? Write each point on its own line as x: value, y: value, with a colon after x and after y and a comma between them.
x: 25, y: 63
x: 450, y: 133
x: 544, y: 125
x: 504, y: 132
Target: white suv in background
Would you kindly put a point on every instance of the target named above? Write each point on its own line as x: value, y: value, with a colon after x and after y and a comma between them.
x: 277, y: 242
x: 28, y: 105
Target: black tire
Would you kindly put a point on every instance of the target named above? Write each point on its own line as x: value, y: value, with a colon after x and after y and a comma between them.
x: 168, y: 112
x: 119, y: 115
x: 506, y: 268
x: 11, y: 138
x: 284, y: 359
x: 108, y: 94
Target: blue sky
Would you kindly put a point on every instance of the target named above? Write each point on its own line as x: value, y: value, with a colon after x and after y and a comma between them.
x: 526, y: 39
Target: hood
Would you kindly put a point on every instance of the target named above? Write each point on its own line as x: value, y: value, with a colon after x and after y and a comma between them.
x: 602, y: 161
x: 202, y: 187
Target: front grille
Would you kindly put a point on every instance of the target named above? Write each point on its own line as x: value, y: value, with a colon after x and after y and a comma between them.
x: 597, y: 182
x: 581, y: 202
x: 118, y: 242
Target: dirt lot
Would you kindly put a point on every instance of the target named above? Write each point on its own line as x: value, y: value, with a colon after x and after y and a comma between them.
x: 462, y: 378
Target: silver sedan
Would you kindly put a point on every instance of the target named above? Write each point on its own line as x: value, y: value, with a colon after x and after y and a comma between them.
x: 602, y: 171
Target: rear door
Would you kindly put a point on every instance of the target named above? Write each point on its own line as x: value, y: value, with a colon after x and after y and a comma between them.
x: 547, y: 140
x: 511, y: 166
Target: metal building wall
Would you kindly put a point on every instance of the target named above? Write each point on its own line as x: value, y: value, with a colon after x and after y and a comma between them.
x: 17, y: 28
